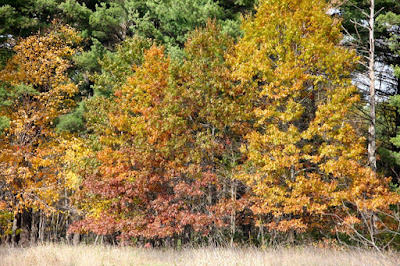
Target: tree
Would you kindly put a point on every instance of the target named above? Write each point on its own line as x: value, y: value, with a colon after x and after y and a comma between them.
x: 23, y: 17
x: 108, y: 23
x: 371, y: 38
x: 304, y: 157
x: 173, y: 130
x: 391, y: 22
x: 371, y: 76
x: 371, y: 68
x: 36, y: 90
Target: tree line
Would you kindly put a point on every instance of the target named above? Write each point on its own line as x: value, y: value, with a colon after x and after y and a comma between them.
x: 197, y: 122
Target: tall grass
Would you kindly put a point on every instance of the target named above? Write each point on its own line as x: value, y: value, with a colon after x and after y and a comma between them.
x: 103, y: 255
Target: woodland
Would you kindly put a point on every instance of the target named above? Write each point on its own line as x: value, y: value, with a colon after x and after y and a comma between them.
x: 172, y: 123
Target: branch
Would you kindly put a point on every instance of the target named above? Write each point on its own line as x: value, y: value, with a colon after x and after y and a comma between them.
x: 359, y: 9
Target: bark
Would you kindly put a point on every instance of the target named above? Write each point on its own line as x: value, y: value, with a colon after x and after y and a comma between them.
x: 76, y: 239
x: 34, y: 228
x: 233, y: 212
x: 14, y: 229
x: 371, y: 130
x: 42, y: 222
x: 25, y: 228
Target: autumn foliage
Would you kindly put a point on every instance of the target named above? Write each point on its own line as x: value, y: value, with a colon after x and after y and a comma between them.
x: 309, y: 160
x: 161, y: 167
x: 38, y: 91
x: 235, y: 139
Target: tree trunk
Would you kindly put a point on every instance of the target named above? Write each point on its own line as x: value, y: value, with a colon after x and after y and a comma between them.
x: 371, y: 130
x: 233, y: 212
x: 262, y: 233
x: 76, y: 239
x: 25, y: 228
x: 34, y: 227
x: 14, y: 229
x: 42, y: 221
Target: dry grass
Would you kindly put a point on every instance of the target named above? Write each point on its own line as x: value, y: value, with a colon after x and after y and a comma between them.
x: 101, y: 255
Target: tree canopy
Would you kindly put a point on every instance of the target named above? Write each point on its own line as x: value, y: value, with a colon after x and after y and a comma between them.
x: 195, y: 122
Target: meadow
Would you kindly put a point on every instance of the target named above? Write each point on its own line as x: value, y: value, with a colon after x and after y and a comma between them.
x: 92, y: 255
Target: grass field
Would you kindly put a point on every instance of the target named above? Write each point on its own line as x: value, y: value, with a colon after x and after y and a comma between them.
x: 102, y: 255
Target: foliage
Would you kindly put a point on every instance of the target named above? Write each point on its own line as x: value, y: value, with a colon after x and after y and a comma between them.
x: 304, y: 157
x: 354, y: 14
x: 22, y: 17
x: 210, y: 135
x: 389, y: 23
x: 164, y: 145
x: 72, y: 122
x: 36, y: 91
x: 117, y: 66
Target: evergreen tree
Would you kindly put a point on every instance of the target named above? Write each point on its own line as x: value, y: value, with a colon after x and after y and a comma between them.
x: 355, y: 13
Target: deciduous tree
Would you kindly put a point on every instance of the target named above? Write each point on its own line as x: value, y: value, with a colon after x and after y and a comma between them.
x: 36, y: 91
x: 305, y: 160
x: 172, y: 131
